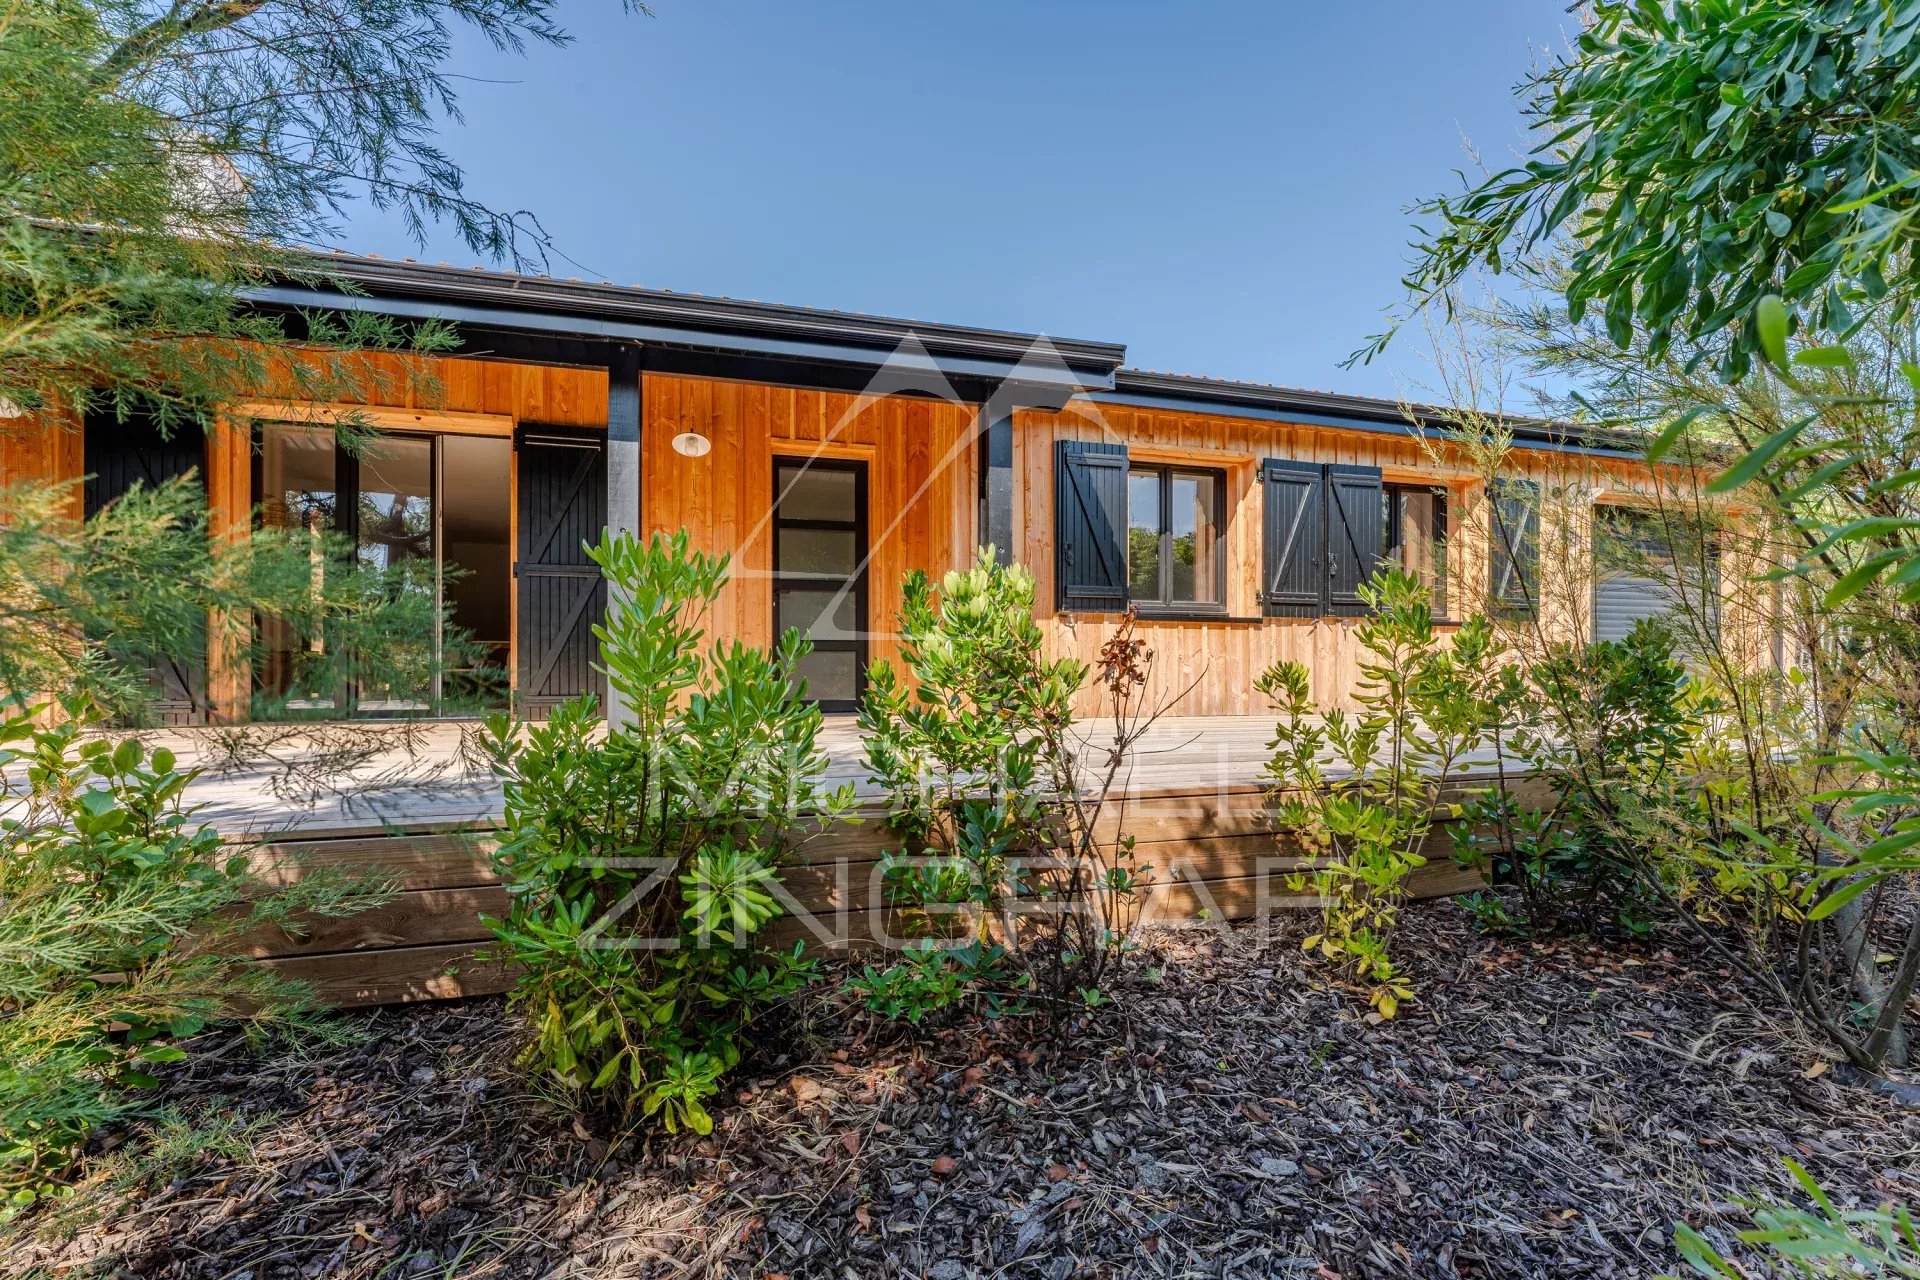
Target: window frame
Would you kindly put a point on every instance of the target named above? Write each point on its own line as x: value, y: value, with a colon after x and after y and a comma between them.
x: 1162, y: 605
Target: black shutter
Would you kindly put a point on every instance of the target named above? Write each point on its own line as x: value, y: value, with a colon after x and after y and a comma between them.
x: 1514, y: 537
x: 1355, y: 536
x: 118, y: 453
x: 563, y: 507
x: 1090, y: 526
x: 1293, y: 541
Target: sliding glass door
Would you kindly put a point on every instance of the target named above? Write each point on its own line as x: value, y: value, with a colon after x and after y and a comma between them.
x: 426, y: 520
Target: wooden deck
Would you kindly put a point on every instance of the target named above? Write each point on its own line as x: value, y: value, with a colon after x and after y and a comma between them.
x: 434, y: 780
x: 1191, y: 797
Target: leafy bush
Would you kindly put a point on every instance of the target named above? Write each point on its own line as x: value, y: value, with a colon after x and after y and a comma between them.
x: 642, y: 862
x: 1001, y: 829
x: 1423, y: 706
x: 1824, y: 1241
x: 117, y: 919
x: 929, y: 979
x: 1608, y: 730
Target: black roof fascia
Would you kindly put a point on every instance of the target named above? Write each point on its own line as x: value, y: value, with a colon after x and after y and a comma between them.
x: 646, y: 315
x: 1185, y: 393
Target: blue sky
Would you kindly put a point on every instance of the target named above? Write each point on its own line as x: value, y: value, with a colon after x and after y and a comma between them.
x: 1221, y: 185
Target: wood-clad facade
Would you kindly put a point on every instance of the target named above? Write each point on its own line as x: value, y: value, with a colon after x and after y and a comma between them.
x: 919, y: 464
x: 736, y: 422
x: 1207, y: 664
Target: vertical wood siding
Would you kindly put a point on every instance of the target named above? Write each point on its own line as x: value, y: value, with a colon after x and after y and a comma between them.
x: 1216, y: 663
x: 920, y: 484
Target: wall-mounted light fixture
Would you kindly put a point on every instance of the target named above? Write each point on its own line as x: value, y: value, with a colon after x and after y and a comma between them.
x: 691, y: 444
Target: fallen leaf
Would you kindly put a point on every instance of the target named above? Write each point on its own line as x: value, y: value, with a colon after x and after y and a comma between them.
x: 944, y: 1166
x: 851, y: 1141
x: 1814, y: 1072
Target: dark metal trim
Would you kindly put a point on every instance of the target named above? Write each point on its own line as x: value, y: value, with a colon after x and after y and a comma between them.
x: 1183, y: 392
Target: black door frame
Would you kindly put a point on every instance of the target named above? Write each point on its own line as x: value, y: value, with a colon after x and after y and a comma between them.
x: 858, y: 525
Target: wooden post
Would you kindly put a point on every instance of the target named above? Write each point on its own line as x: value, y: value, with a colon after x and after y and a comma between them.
x: 229, y: 519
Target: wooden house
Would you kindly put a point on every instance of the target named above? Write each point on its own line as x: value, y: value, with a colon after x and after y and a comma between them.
x: 830, y: 453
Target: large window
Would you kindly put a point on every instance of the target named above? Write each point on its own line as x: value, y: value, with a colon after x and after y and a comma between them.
x: 1414, y: 524
x: 1175, y: 552
x: 430, y: 515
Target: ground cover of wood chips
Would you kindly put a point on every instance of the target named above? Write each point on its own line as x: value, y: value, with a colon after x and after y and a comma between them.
x: 1538, y: 1111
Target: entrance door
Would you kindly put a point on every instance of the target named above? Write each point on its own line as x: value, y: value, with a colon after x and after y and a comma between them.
x: 819, y: 572
x: 563, y: 506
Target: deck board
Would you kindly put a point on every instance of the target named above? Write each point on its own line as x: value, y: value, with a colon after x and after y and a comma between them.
x: 437, y: 785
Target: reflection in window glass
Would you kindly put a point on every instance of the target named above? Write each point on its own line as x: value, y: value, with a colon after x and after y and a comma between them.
x: 825, y: 614
x: 396, y: 503
x: 1174, y: 537
x: 395, y: 539
x: 1415, y: 531
x: 824, y: 552
x: 1143, y: 535
x: 298, y: 494
x: 830, y: 674
x: 1194, y: 531
x: 815, y: 493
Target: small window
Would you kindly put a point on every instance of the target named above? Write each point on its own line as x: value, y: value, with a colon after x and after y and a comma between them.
x: 1176, y: 539
x: 1414, y: 522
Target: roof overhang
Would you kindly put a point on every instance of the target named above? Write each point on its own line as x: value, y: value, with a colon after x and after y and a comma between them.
x: 500, y: 301
x: 1188, y: 394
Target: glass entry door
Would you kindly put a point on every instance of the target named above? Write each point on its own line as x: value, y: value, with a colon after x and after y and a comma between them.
x: 819, y: 572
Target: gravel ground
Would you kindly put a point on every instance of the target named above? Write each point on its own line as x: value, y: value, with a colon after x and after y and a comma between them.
x: 1538, y: 1111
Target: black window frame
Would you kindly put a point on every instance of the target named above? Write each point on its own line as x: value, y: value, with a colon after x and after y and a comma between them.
x: 1162, y: 605
x: 1393, y: 546
x: 860, y: 645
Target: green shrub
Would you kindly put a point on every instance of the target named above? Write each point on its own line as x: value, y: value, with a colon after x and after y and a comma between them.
x: 642, y: 862
x: 1423, y: 706
x: 1824, y: 1241
x: 117, y: 915
x: 1001, y: 830
x: 1609, y: 730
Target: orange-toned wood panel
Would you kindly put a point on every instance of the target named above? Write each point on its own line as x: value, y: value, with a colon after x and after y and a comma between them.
x: 1217, y: 662
x: 555, y: 395
x: 920, y: 484
x: 42, y: 448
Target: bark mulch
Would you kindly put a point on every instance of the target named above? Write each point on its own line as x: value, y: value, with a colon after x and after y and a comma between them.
x: 1538, y: 1111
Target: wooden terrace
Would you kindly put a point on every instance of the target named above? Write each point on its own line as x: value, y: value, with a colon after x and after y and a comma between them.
x: 1191, y: 797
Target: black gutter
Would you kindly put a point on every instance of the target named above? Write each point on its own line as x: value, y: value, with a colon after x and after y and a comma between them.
x: 1186, y: 393
x: 665, y: 316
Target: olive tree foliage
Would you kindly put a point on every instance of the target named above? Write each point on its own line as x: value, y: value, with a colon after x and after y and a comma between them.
x: 1718, y: 222
x: 1695, y: 156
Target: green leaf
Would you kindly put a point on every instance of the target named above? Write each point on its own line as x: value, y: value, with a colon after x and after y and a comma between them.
x: 1855, y: 580
x: 1779, y: 223
x: 1845, y: 893
x: 1824, y: 358
x: 1770, y: 325
x: 1745, y: 470
x: 1669, y: 436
